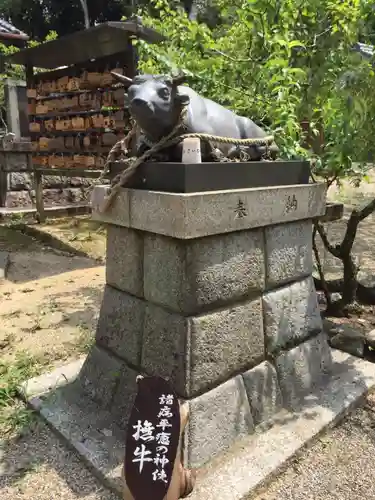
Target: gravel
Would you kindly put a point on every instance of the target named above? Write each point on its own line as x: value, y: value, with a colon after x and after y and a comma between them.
x: 339, y: 466
x: 39, y: 467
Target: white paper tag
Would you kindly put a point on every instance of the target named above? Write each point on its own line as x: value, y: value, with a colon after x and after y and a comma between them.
x: 191, y: 150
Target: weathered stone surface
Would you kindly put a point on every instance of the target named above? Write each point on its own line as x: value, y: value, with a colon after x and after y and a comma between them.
x: 166, y: 347
x: 19, y: 181
x: 301, y: 369
x: 80, y: 181
x: 53, y: 197
x: 118, y: 213
x: 263, y: 391
x: 99, y: 376
x: 4, y: 263
x: 50, y: 381
x: 186, y: 276
x: 193, y: 215
x: 199, y: 352
x: 15, y: 161
x: 124, y: 396
x: 291, y: 314
x: 120, y: 324
x: 289, y: 252
x: 18, y: 199
x: 124, y: 269
x: 353, y: 344
x: 217, y: 419
x: 54, y: 181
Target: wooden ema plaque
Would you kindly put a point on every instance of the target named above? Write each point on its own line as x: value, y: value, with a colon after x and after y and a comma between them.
x: 152, y: 439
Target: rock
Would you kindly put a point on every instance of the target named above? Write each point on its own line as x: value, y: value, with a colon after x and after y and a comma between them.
x: 353, y: 344
x: 19, y: 181
x: 18, y: 199
x: 52, y: 181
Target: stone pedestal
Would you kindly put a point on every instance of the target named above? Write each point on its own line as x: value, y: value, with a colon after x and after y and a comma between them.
x: 214, y: 292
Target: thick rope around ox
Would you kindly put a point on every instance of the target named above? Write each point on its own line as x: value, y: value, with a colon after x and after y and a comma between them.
x: 167, y: 141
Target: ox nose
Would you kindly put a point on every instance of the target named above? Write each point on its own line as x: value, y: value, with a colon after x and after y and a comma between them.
x: 138, y: 102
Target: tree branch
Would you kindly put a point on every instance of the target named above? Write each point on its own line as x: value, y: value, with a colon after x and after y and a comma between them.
x: 351, y: 229
x: 323, y: 282
x: 332, y: 249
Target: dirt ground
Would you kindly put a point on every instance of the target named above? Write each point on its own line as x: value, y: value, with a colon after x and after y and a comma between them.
x: 49, y: 306
x: 49, y: 303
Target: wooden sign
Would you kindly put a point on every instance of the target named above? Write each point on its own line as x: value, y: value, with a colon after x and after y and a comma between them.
x: 152, y: 439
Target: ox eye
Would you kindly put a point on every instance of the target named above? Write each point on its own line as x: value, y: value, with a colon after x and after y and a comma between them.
x: 164, y: 93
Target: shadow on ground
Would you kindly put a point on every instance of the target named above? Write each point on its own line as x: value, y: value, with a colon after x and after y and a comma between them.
x: 30, y: 260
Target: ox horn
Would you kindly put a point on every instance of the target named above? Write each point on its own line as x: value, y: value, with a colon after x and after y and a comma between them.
x: 177, y: 80
x: 121, y: 78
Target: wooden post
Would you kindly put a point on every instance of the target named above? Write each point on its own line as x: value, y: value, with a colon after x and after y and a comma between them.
x: 3, y: 180
x: 38, y: 183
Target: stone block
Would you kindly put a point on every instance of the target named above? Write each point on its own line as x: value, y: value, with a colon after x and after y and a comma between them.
x: 301, y: 370
x: 18, y: 199
x: 99, y: 376
x: 124, y: 396
x: 291, y: 314
x: 289, y: 252
x: 120, y: 324
x: 166, y: 347
x: 187, y: 276
x: 53, y: 181
x: 263, y: 392
x: 124, y: 269
x: 195, y: 215
x: 15, y: 161
x: 197, y: 353
x: 218, y: 419
x: 118, y: 213
x: 19, y: 181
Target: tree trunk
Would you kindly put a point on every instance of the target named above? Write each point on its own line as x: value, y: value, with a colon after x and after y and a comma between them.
x: 349, y: 290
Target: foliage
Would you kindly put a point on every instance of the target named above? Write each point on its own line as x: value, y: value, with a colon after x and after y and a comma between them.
x: 15, y: 71
x: 37, y: 18
x: 13, y: 415
x: 280, y: 63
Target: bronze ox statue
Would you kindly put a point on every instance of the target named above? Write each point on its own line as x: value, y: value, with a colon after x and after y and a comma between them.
x: 156, y: 103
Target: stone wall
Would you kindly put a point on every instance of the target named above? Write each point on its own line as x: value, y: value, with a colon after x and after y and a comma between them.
x: 230, y: 318
x: 18, y: 188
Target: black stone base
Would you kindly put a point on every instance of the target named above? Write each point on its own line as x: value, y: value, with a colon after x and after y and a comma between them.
x: 191, y: 178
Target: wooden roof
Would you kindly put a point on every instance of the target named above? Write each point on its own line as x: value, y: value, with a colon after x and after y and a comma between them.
x: 99, y: 41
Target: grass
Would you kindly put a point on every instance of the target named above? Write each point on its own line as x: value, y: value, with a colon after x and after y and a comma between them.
x: 14, y: 415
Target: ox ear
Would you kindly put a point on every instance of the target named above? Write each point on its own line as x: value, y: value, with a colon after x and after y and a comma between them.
x: 122, y: 78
